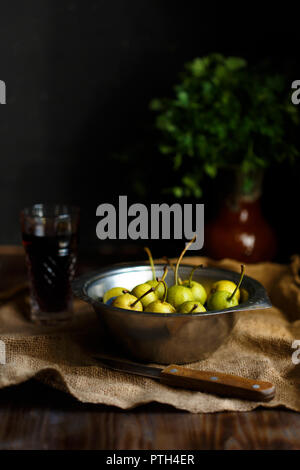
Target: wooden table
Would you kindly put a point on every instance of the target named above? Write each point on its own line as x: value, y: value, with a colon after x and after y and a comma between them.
x: 33, y: 416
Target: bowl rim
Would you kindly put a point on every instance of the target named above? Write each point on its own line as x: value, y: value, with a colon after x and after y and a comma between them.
x: 80, y: 286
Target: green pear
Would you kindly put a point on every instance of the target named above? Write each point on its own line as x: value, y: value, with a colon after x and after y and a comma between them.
x: 158, y: 286
x: 226, y: 285
x: 128, y: 302
x: 145, y: 293
x: 158, y: 306
x: 161, y: 306
x: 191, y: 307
x: 177, y: 295
x: 221, y: 299
x: 113, y: 292
x: 198, y: 291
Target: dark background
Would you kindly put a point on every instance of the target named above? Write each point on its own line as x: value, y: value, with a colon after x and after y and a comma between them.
x: 80, y: 75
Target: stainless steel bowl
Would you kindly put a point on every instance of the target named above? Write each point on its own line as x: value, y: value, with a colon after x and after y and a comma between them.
x: 166, y: 338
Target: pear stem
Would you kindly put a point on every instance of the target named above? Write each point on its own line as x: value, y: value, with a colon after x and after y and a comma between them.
x: 240, y: 282
x: 146, y: 293
x: 181, y: 256
x: 165, y: 289
x: 165, y: 273
x: 151, y: 261
x: 194, y: 308
x: 192, y: 273
x: 172, y: 267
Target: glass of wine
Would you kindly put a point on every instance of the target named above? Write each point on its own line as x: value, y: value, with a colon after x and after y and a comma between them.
x: 49, y: 235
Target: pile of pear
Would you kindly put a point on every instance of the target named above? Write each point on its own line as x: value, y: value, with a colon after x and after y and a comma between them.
x: 183, y: 297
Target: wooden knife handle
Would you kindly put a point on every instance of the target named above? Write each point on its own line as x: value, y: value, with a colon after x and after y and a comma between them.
x: 217, y: 383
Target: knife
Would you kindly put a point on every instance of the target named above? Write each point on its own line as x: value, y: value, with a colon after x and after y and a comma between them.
x: 191, y: 379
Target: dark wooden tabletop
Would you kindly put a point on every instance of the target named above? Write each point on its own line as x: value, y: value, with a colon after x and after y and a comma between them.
x: 34, y: 416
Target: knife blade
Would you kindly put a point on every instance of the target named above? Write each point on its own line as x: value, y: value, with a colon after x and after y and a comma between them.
x: 192, y: 379
x: 129, y: 367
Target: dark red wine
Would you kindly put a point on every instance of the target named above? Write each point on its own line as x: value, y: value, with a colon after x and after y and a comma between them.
x: 51, y: 262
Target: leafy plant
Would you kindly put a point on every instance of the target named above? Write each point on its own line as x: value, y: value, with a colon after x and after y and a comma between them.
x: 224, y: 114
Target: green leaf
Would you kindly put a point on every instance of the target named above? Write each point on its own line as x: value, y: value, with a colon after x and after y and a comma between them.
x: 183, y: 98
x: 177, y: 161
x: 189, y: 181
x: 199, y: 66
x: 155, y: 105
x: 224, y: 114
x: 197, y: 192
x: 235, y: 63
x: 178, y: 192
x: 165, y: 124
x: 165, y: 149
x: 211, y: 170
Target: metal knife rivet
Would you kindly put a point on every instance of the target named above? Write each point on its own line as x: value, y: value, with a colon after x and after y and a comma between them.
x: 255, y: 386
x: 174, y: 370
x: 214, y: 378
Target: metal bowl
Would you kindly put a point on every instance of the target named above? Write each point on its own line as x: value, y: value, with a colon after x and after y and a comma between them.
x: 170, y: 337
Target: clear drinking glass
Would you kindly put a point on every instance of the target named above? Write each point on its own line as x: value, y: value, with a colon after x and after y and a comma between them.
x: 49, y: 234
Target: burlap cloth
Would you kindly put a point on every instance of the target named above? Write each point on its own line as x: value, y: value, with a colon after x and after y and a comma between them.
x: 260, y: 347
